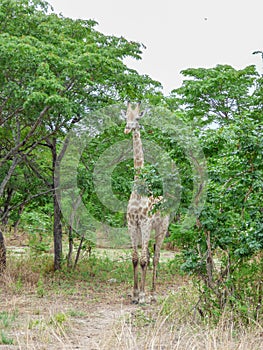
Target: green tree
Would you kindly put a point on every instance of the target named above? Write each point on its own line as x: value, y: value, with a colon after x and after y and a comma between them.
x: 53, y: 70
x: 225, y: 107
x: 216, y: 95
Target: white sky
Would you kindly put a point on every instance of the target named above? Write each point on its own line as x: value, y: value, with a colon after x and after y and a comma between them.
x: 178, y: 34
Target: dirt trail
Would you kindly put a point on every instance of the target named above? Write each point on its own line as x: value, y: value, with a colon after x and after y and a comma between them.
x: 91, y: 317
x: 103, y: 324
x: 59, y: 322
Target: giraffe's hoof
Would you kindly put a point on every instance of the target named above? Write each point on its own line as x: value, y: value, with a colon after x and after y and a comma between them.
x: 142, y: 298
x: 153, y: 298
x: 135, y: 301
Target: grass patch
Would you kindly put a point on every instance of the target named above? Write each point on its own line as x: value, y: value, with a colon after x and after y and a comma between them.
x: 7, y: 319
x: 5, y: 340
x: 6, y: 322
x: 173, y: 324
x: 76, y: 313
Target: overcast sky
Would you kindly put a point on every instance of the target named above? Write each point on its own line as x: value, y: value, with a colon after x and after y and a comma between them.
x: 178, y: 34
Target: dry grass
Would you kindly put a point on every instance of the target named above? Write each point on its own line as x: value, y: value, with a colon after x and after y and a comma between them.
x: 42, y: 310
x: 173, y: 325
x: 186, y: 337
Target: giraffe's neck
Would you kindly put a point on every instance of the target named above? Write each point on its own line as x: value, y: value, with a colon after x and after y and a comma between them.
x: 137, y: 154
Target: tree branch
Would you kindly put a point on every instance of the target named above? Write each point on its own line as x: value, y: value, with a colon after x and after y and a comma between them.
x: 23, y: 142
x: 25, y: 202
x: 8, y: 175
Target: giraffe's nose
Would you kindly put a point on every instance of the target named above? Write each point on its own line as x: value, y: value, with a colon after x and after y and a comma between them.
x: 127, y: 130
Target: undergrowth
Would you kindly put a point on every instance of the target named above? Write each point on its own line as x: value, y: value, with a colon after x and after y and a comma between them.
x: 28, y: 272
x: 174, y: 322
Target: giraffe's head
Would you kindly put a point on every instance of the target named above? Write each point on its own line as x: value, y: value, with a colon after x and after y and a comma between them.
x: 132, y: 117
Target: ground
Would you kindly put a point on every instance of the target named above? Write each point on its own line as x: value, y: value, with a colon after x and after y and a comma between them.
x: 59, y: 314
x: 66, y: 322
x: 91, y: 309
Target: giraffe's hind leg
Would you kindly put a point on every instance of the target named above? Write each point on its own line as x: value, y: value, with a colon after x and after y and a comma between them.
x: 155, y: 266
x: 133, y: 231
x: 160, y: 233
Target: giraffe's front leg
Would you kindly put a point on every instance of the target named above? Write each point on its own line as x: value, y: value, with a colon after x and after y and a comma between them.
x: 144, y: 261
x: 155, y: 266
x: 135, y: 262
x: 144, y: 264
x: 133, y: 231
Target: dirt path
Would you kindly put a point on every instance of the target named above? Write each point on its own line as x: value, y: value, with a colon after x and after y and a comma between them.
x: 102, y: 326
x: 97, y: 316
x: 72, y: 322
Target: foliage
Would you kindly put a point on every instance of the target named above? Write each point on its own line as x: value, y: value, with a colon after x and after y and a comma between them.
x: 225, y: 107
x: 53, y: 71
x: 120, y: 178
x: 216, y: 95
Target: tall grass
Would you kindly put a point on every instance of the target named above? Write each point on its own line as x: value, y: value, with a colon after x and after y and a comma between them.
x: 171, y: 323
x: 180, y: 329
x: 185, y: 337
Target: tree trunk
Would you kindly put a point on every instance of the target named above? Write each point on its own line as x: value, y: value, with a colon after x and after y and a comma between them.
x: 57, y: 226
x: 20, y: 211
x: 70, y: 247
x: 78, y: 252
x: 57, y: 233
x: 2, y: 253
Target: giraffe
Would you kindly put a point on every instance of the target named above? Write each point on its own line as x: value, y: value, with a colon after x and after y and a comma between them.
x: 141, y: 220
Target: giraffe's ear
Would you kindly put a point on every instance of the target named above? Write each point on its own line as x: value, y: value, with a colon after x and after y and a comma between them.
x: 123, y: 114
x: 142, y: 114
